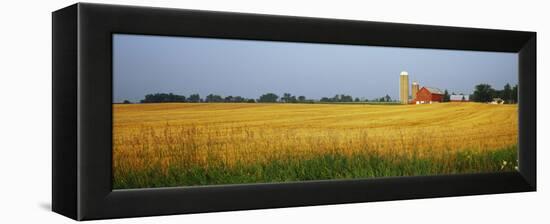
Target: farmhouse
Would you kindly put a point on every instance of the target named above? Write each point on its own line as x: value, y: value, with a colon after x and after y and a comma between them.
x: 497, y: 101
x: 460, y: 98
x: 428, y: 95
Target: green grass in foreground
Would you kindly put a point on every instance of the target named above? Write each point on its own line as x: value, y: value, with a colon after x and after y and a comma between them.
x: 323, y: 167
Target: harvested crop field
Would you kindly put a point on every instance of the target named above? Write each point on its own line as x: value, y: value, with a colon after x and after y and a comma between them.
x: 186, y: 144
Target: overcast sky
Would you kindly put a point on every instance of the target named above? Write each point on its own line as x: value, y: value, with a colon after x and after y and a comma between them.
x: 182, y: 65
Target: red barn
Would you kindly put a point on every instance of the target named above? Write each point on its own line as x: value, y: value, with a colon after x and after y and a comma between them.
x: 428, y: 95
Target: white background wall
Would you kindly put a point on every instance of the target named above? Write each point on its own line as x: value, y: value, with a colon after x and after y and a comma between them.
x: 25, y: 112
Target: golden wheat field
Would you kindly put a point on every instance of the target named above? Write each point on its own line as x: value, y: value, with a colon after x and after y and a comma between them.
x: 162, y: 137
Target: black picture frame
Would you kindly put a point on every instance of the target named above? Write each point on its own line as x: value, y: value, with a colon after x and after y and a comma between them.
x: 82, y: 111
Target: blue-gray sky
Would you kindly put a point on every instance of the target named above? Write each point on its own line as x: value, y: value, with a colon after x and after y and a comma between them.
x: 182, y: 65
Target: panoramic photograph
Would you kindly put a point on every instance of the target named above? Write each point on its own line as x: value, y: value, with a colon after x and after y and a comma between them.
x: 191, y: 111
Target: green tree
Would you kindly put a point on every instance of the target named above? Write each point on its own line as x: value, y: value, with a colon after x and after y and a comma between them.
x: 301, y: 98
x: 195, y: 98
x: 212, y: 98
x: 446, y: 96
x: 238, y: 99
x: 497, y: 94
x: 515, y: 94
x: 345, y: 98
x: 268, y: 98
x: 483, y: 93
x: 162, y: 97
x: 228, y: 99
x: 293, y: 99
x: 336, y: 98
x: 286, y: 97
x: 387, y: 98
x: 507, y: 93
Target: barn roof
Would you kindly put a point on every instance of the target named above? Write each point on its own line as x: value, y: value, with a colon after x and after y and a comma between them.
x: 434, y: 90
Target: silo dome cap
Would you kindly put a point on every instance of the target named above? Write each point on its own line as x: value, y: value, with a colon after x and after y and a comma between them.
x: 404, y: 73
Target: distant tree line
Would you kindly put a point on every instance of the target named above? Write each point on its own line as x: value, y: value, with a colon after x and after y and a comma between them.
x: 264, y: 98
x: 386, y: 98
x: 342, y: 98
x: 485, y: 93
x: 193, y: 98
x: 286, y: 98
x: 482, y: 93
x: 163, y: 97
x: 338, y: 98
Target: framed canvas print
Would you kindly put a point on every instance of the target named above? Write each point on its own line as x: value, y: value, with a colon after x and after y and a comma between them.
x: 167, y: 111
